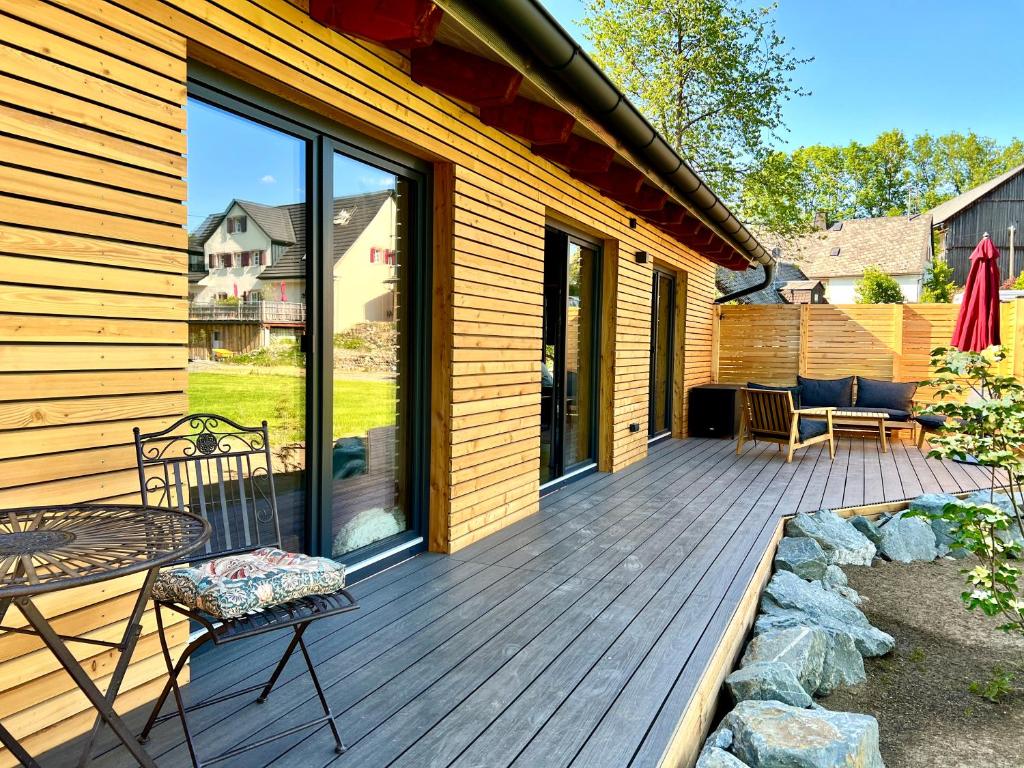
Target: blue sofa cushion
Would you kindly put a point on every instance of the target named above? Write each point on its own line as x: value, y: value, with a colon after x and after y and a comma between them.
x: 930, y: 420
x: 808, y: 428
x: 816, y: 393
x: 794, y: 391
x: 894, y: 395
x: 894, y: 414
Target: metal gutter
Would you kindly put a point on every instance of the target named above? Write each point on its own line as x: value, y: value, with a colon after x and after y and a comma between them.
x: 555, y: 49
x: 769, y: 275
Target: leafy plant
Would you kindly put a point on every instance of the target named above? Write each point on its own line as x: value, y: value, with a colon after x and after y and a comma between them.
x: 876, y: 287
x: 984, y: 412
x: 1000, y: 685
x: 938, y: 287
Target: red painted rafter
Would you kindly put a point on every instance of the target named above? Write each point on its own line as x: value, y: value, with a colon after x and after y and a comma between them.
x: 533, y: 121
x: 618, y: 181
x: 578, y: 154
x: 391, y: 23
x: 465, y: 76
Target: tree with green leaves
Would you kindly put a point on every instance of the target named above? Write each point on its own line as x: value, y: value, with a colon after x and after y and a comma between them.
x: 876, y: 287
x: 712, y: 75
x: 889, y: 176
x: 938, y: 286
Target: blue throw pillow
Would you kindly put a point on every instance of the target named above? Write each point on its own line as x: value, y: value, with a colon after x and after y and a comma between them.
x: 794, y: 391
x: 892, y: 395
x: 817, y: 393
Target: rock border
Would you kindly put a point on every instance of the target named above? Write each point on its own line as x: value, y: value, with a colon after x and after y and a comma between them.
x: 810, y: 638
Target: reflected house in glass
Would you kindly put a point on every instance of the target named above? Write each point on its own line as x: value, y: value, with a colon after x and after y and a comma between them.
x: 247, y: 267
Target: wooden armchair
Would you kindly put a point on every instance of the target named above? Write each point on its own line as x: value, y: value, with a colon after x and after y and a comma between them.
x: 768, y: 414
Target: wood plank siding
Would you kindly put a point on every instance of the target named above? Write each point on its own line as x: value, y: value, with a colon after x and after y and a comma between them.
x: 93, y: 290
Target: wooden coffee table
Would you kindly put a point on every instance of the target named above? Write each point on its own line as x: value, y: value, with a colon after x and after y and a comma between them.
x: 866, y: 421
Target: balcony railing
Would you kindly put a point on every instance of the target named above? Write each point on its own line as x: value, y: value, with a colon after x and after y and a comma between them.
x: 250, y: 312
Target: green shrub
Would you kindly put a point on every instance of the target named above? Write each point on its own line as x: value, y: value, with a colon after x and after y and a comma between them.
x: 938, y: 286
x: 876, y: 287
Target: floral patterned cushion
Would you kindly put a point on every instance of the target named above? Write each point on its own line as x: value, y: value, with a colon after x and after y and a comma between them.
x: 229, y: 587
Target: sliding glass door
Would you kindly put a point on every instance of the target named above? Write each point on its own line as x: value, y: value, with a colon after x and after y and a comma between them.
x: 309, y: 289
x: 569, y: 355
x: 663, y: 298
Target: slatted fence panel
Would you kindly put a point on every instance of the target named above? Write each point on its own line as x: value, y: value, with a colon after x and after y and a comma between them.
x: 771, y: 344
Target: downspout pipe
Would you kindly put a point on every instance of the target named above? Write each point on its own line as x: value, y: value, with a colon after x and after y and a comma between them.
x: 556, y: 50
x: 769, y: 275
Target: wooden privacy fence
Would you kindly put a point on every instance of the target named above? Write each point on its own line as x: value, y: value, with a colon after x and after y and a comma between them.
x: 772, y: 343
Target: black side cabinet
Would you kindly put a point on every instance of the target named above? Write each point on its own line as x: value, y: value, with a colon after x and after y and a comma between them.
x: 715, y: 410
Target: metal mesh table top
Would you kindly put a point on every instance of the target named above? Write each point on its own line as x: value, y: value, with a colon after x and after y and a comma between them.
x: 44, y: 549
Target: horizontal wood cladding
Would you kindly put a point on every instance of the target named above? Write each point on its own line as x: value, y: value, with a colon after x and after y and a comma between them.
x: 93, y: 310
x: 93, y: 287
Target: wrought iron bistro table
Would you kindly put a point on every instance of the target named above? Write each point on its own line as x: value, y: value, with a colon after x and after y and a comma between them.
x: 46, y: 549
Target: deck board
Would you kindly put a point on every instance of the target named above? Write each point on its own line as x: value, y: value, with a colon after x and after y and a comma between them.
x: 575, y: 637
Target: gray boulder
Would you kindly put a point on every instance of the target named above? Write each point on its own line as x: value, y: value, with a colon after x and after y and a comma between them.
x: 846, y: 592
x: 800, y: 648
x: 802, y: 556
x: 835, y: 576
x: 933, y: 504
x: 866, y: 527
x: 906, y: 539
x: 843, y: 543
x: 770, y: 734
x: 790, y: 601
x: 767, y: 681
x: 843, y: 665
x: 714, y: 757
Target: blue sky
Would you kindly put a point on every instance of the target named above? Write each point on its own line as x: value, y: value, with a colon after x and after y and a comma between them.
x: 230, y: 157
x: 934, y: 66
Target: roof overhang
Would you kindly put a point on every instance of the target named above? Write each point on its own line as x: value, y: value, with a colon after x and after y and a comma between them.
x: 528, y: 77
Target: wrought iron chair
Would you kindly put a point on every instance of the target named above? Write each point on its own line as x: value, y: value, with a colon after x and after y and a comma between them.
x: 211, y: 466
x: 768, y: 414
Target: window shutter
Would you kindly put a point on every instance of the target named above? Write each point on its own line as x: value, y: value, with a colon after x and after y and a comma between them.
x: 210, y: 261
x: 265, y: 259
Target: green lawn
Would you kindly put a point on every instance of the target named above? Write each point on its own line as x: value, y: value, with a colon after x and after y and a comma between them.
x: 249, y: 398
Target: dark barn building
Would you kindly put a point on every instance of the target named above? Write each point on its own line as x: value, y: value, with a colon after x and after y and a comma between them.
x: 994, y: 207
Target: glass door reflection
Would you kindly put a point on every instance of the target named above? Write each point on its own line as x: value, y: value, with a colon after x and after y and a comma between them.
x: 663, y: 291
x: 369, y: 226
x: 569, y: 355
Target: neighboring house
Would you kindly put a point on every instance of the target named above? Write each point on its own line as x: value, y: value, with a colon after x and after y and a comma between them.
x: 803, y: 292
x: 256, y: 254
x: 996, y: 207
x: 901, y: 246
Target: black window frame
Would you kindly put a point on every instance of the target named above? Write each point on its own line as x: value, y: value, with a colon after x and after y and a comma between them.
x: 324, y: 137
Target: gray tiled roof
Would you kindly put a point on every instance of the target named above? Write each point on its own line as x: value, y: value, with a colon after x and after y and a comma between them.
x: 898, y: 245
x: 729, y: 281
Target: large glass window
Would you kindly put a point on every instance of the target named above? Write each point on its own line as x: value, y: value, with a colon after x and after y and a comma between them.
x: 247, y: 310
x: 569, y: 355
x: 309, y: 307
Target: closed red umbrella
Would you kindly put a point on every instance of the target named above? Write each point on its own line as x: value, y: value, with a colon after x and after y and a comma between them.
x: 284, y: 293
x: 977, y: 324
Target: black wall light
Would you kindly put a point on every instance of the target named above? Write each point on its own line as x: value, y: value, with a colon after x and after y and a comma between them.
x: 641, y: 257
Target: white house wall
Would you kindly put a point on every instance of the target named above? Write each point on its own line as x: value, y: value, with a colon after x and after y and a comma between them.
x: 360, y: 291
x: 223, y: 279
x: 843, y: 290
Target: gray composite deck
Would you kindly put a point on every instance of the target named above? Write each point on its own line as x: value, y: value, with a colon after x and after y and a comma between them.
x: 573, y: 637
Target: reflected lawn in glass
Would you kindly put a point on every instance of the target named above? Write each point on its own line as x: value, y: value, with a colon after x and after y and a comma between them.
x: 249, y: 398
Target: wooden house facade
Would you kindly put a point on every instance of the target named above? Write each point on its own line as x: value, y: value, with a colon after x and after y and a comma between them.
x: 506, y: 249
x: 995, y: 207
